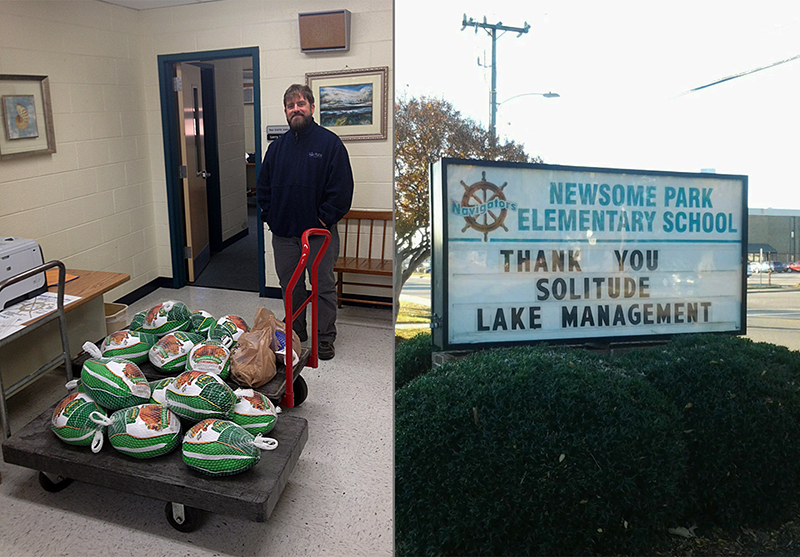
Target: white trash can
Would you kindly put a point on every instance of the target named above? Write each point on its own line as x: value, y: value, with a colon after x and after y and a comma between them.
x: 116, y: 317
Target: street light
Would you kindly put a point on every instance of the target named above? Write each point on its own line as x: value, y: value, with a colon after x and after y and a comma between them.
x: 548, y: 95
x: 495, y: 106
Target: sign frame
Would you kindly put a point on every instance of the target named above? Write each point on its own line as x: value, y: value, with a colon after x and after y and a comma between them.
x: 441, y: 322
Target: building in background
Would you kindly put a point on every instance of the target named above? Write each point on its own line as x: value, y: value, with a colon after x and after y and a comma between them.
x: 772, y: 235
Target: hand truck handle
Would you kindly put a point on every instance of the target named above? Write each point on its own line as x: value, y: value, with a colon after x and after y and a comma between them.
x: 288, y: 398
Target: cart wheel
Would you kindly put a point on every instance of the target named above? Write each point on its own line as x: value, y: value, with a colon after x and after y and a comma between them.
x: 53, y: 486
x: 183, y: 518
x: 300, y: 390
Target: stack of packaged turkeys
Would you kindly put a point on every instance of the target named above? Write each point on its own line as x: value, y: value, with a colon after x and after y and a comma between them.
x: 225, y: 428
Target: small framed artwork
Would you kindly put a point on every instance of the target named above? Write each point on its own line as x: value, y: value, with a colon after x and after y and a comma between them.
x: 352, y: 103
x: 27, y: 116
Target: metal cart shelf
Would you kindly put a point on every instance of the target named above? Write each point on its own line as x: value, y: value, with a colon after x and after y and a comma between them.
x: 62, y: 359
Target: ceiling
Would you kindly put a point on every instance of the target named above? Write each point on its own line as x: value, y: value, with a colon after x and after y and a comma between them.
x: 150, y: 4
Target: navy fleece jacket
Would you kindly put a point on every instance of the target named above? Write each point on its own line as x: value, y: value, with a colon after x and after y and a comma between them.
x: 305, y: 178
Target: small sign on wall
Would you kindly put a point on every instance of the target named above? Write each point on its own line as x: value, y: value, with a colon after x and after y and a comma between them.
x: 524, y: 253
x: 274, y: 132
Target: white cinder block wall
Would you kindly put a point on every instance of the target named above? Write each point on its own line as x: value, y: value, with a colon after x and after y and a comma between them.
x: 100, y: 201
x: 231, y: 145
x: 90, y: 204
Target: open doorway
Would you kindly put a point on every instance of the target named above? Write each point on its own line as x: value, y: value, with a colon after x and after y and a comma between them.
x: 225, y: 127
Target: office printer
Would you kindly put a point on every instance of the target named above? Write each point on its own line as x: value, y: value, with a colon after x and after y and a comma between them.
x: 18, y: 255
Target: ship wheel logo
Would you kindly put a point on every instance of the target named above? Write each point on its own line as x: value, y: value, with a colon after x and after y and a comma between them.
x: 485, y: 197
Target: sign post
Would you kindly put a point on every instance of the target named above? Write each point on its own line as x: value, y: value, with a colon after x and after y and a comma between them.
x: 524, y: 253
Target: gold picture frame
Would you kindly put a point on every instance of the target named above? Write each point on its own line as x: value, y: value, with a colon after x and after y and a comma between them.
x: 27, y: 117
x: 352, y: 103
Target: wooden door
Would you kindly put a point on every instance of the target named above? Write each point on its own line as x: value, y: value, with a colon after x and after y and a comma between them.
x: 193, y: 159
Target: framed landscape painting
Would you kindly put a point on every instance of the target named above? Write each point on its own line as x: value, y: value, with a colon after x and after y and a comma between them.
x: 351, y: 103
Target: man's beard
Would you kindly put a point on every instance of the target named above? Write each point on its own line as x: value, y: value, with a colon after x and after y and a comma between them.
x: 299, y: 122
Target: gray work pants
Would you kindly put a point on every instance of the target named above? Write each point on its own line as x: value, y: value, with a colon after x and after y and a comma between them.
x: 287, y: 253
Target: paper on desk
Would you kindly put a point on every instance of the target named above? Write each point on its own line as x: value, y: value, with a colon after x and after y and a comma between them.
x: 8, y: 325
x: 14, y: 317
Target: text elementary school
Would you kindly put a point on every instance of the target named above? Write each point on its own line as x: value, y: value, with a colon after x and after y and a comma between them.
x: 530, y: 252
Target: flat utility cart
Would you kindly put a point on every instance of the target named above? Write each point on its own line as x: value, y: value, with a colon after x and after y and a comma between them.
x: 251, y: 495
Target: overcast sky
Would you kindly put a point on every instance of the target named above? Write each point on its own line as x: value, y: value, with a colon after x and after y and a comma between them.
x: 622, y: 69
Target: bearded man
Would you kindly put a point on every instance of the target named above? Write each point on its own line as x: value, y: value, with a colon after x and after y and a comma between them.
x: 306, y: 182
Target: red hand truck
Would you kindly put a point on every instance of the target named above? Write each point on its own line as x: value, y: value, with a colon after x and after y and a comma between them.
x: 299, y: 273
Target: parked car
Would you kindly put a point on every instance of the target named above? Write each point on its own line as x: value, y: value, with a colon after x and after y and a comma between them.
x: 771, y: 267
x: 752, y: 268
x: 793, y: 267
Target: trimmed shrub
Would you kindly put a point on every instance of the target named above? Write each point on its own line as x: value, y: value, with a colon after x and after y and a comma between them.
x: 412, y: 358
x: 533, y: 452
x: 741, y: 424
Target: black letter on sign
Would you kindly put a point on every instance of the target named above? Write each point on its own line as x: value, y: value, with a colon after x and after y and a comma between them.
x: 500, y: 320
x: 569, y: 317
x: 652, y: 259
x: 516, y: 318
x: 481, y: 326
x: 533, y: 317
x: 506, y: 253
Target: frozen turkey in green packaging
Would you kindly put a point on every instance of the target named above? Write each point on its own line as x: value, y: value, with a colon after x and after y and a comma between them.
x: 211, y: 356
x: 114, y: 383
x: 197, y: 395
x: 127, y: 344
x: 253, y: 411
x: 165, y: 318
x: 72, y: 423
x: 221, y: 448
x: 238, y: 323
x: 142, y: 431
x: 170, y: 352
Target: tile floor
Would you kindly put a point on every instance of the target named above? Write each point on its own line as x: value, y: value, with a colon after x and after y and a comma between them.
x: 338, y: 500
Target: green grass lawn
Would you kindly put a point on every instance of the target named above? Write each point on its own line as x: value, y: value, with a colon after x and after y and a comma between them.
x: 413, y: 313
x: 418, y: 316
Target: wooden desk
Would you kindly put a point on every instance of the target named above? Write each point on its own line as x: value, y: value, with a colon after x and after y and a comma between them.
x: 86, y: 321
x: 89, y: 285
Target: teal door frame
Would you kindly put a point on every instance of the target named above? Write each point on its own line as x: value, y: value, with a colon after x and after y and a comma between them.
x: 169, y: 128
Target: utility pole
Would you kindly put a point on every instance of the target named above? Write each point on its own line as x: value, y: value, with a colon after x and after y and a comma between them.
x: 492, y: 29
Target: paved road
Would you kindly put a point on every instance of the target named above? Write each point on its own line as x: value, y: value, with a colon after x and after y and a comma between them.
x: 777, y: 279
x: 418, y: 290
x: 774, y: 316
x: 773, y: 306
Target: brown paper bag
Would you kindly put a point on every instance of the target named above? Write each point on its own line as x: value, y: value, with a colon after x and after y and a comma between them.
x: 252, y: 360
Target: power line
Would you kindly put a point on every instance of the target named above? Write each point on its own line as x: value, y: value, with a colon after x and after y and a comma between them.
x: 730, y: 77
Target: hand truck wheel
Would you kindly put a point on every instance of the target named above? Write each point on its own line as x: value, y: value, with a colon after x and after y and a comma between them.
x: 300, y: 390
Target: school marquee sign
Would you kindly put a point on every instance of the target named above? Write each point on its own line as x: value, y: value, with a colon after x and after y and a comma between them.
x: 532, y: 252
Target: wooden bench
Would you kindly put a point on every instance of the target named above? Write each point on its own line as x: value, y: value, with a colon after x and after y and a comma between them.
x: 366, y: 246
